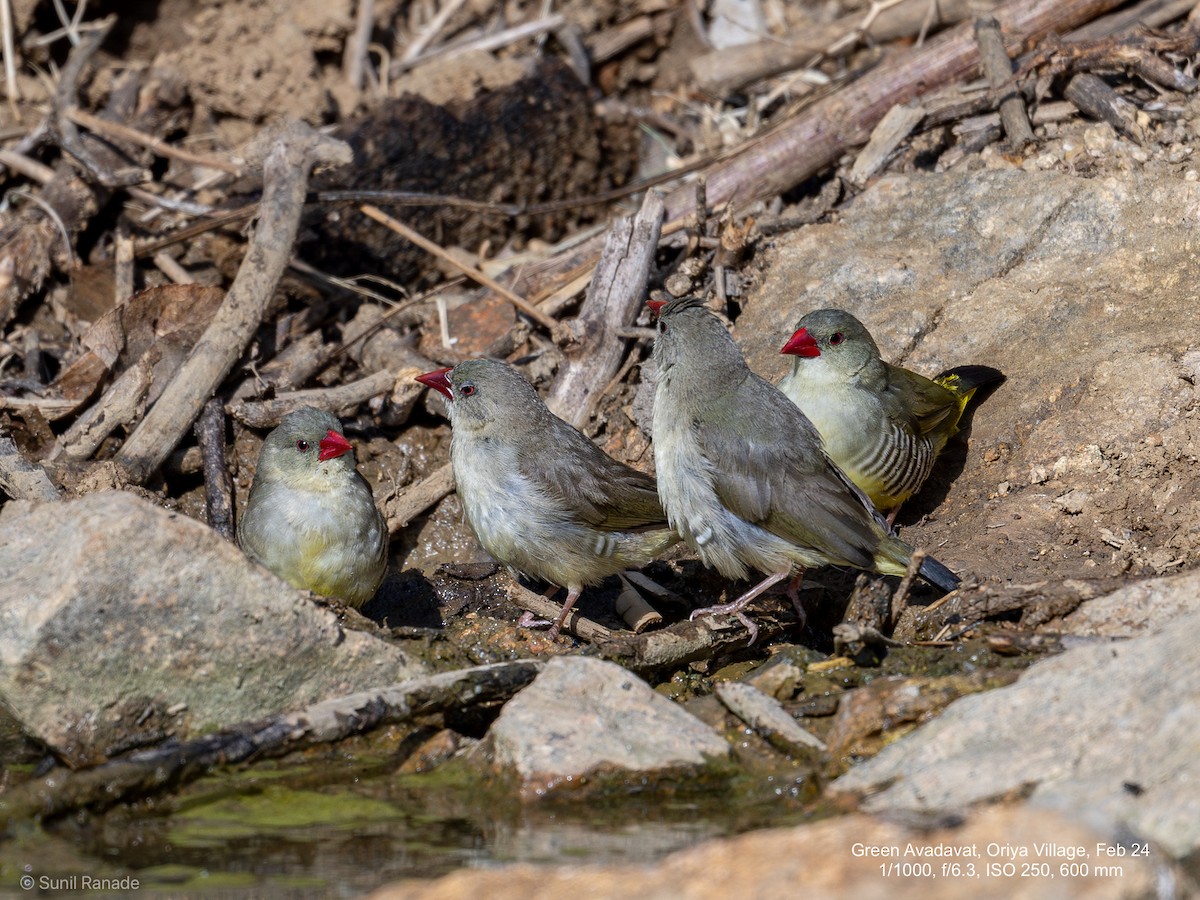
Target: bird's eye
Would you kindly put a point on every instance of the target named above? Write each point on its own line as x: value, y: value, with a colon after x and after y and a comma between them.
x: 837, y: 338
x: 662, y: 327
x: 466, y: 390
x: 303, y: 446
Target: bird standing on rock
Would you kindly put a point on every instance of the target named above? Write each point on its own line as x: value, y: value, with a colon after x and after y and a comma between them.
x: 742, y: 474
x: 882, y: 424
x: 311, y: 518
x: 542, y: 498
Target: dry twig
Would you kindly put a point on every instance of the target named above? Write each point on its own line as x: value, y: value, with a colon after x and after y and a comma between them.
x: 218, y: 485
x: 999, y: 71
x: 614, y: 299
x: 174, y: 764
x: 416, y: 498
x: 285, y: 177
x: 474, y: 274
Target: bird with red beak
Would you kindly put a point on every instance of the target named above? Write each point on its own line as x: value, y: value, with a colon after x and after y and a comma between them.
x: 311, y: 517
x: 742, y: 473
x: 882, y: 424
x: 542, y: 498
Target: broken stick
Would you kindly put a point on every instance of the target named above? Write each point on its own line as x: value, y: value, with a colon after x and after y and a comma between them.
x: 285, y: 178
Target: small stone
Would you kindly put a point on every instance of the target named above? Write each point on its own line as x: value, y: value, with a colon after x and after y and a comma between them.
x: 582, y: 716
x: 678, y: 285
x: 1073, y: 502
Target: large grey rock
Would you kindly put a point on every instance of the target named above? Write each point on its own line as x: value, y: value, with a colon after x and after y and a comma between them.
x: 1084, y: 293
x: 120, y: 621
x: 583, y: 716
x: 1108, y: 732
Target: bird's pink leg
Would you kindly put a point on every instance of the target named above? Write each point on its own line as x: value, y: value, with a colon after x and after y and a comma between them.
x: 735, y: 608
x: 793, y: 592
x: 529, y: 620
x: 572, y: 596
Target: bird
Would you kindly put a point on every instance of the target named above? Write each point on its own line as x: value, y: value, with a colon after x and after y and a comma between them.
x: 882, y: 424
x: 742, y: 473
x: 541, y: 497
x: 311, y: 517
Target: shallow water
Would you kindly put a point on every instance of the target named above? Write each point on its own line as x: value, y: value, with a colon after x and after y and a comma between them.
x: 342, y: 829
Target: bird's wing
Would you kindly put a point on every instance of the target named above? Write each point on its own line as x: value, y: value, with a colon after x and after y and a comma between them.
x: 769, y: 468
x: 593, y: 486
x: 923, y: 405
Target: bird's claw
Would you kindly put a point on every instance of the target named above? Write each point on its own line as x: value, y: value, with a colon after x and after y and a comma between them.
x: 733, y: 609
x: 529, y: 620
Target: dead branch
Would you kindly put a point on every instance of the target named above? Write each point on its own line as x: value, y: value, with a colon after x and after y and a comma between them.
x: 892, y: 130
x: 416, y: 498
x: 62, y: 125
x: 354, y: 59
x: 544, y: 608
x: 474, y: 274
x: 1147, y: 14
x: 1093, y: 97
x: 999, y: 71
x: 593, y: 350
x: 146, y: 772
x: 117, y: 131
x: 285, y: 179
x: 681, y: 643
x: 218, y: 485
x: 341, y: 400
x: 121, y: 405
x: 724, y: 71
x: 820, y: 133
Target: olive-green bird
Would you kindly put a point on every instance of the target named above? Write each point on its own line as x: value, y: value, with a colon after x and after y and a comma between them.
x: 882, y: 424
x: 743, y: 475
x: 311, y: 518
x: 542, y: 498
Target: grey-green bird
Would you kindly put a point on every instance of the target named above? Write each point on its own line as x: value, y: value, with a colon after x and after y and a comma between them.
x: 311, y: 518
x: 542, y: 498
x: 742, y: 473
x: 882, y: 424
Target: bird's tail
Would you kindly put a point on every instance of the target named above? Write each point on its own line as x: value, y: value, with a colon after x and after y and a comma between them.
x: 964, y: 381
x: 894, y: 556
x: 938, y: 575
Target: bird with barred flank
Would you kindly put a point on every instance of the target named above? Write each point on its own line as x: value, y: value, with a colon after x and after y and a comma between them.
x: 882, y: 424
x: 742, y: 474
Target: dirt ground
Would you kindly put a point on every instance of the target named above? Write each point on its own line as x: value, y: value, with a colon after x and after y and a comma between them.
x: 605, y: 95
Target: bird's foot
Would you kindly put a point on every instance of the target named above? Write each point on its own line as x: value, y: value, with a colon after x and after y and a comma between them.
x: 529, y: 620
x: 793, y: 594
x: 733, y: 609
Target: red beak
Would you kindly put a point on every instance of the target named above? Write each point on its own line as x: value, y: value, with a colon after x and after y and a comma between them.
x: 801, y: 344
x: 656, y: 305
x: 438, y: 381
x: 332, y: 446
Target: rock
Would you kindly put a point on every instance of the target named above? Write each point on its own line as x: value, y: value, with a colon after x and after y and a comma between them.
x: 1136, y: 608
x: 843, y: 857
x: 121, y: 623
x: 767, y: 716
x: 1061, y: 283
x: 583, y: 717
x: 1107, y: 732
x: 871, y: 716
